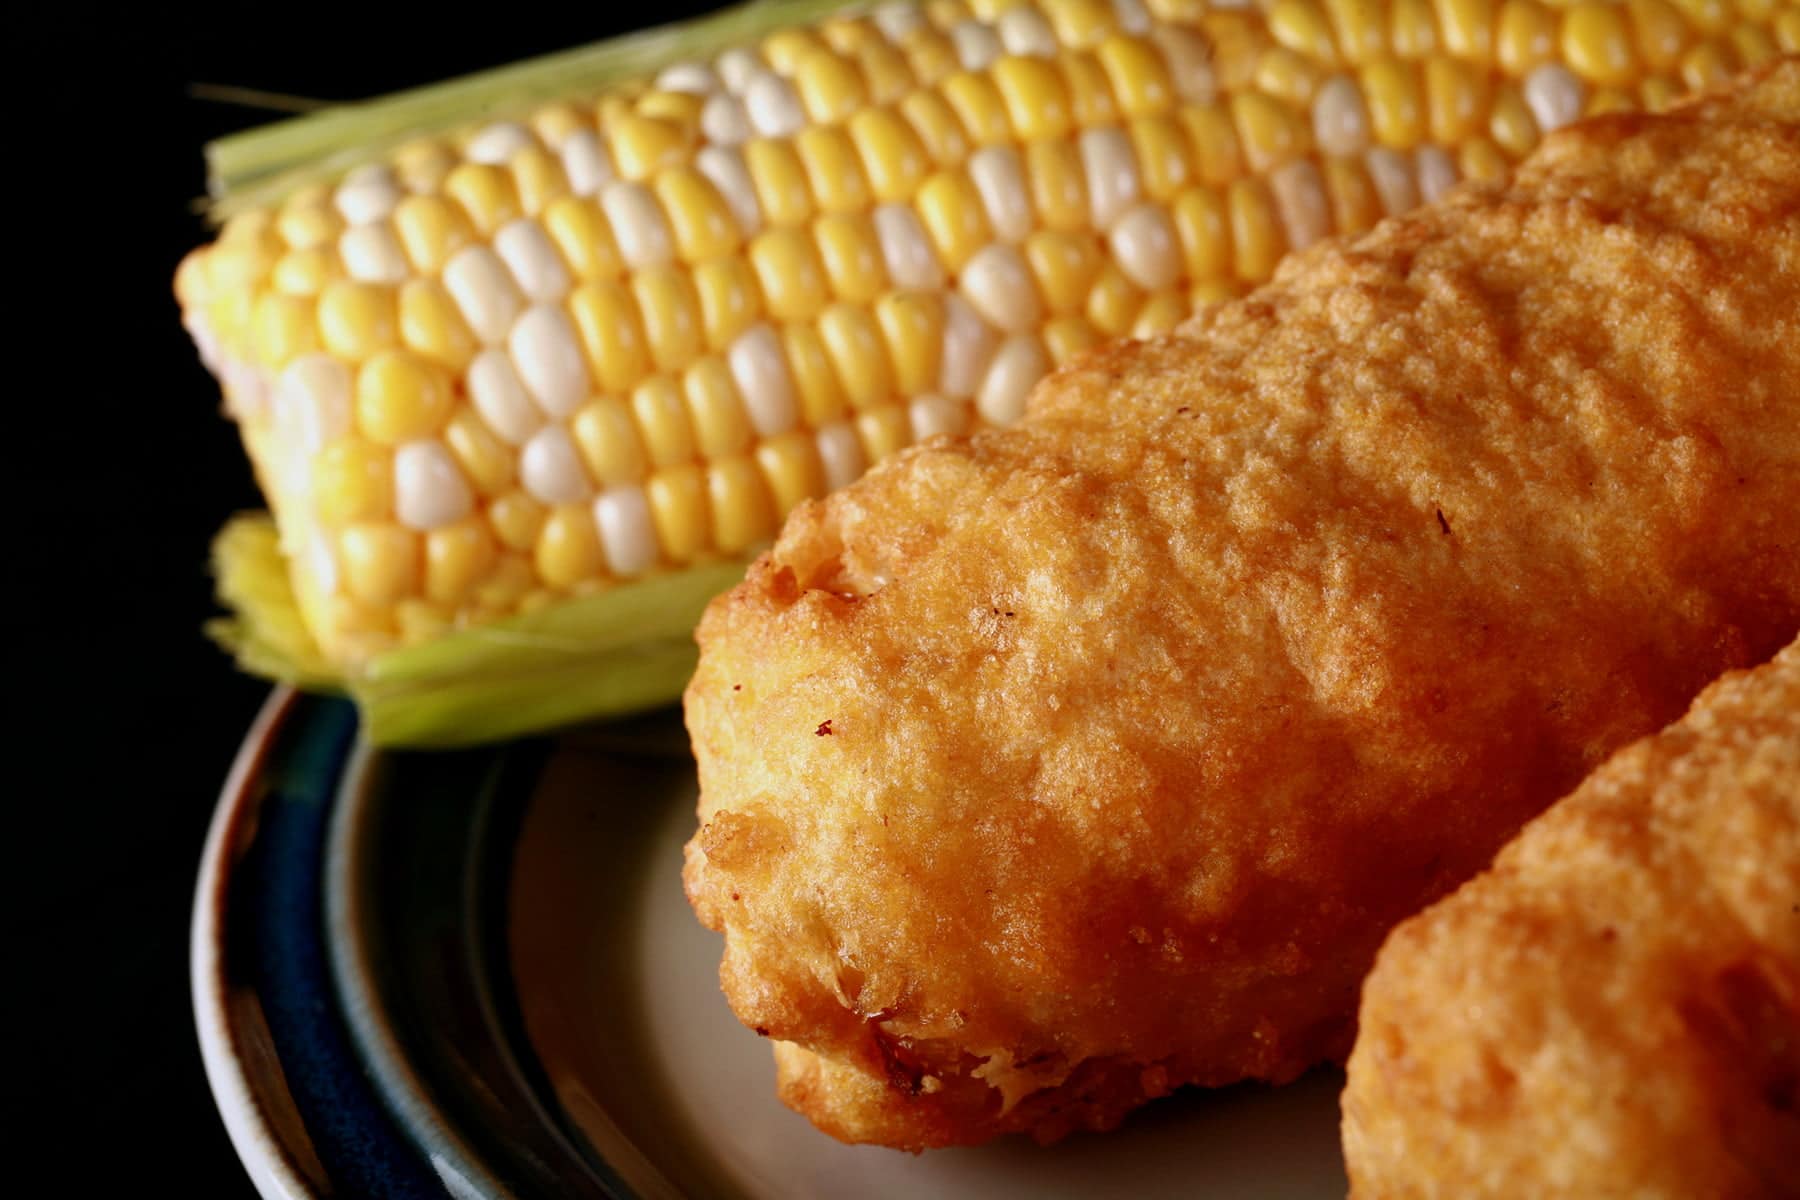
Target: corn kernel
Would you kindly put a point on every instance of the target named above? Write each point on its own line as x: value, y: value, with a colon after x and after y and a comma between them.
x: 1355, y: 205
x: 912, y: 325
x: 742, y: 514
x: 830, y: 86
x: 302, y: 228
x: 422, y: 165
x: 1455, y: 99
x: 701, y: 219
x: 728, y: 297
x: 858, y: 356
x: 1753, y: 44
x: 1214, y: 291
x: 1058, y: 184
x: 283, y: 329
x: 1138, y: 74
x: 789, y: 273
x: 815, y: 383
x: 721, y: 426
x: 1035, y: 96
x: 1064, y: 265
x: 486, y: 194
x: 432, y: 326
x: 380, y: 561
x: 1710, y: 15
x: 1597, y: 44
x: 851, y: 254
x: 537, y: 178
x: 421, y: 621
x: 456, y: 558
x: 1787, y: 30
x: 400, y: 397
x: 1361, y: 31
x: 356, y: 320
x: 891, y: 153
x: 790, y: 466
x: 785, y: 49
x: 676, y: 107
x: 951, y: 211
x: 1708, y: 65
x: 1662, y: 33
x: 1526, y: 36
x: 1161, y: 148
x: 782, y: 191
x: 833, y: 168
x: 612, y: 336
x: 1203, y: 227
x: 1256, y: 239
x: 930, y: 116
x: 568, y: 547
x: 489, y: 463
x: 584, y: 237
x: 1413, y: 29
x: 931, y: 56
x: 1468, y: 28
x: 1161, y: 313
x: 678, y: 509
x: 353, y: 480
x: 608, y: 441
x: 555, y: 123
x: 1511, y: 124
x: 1114, y: 301
x: 1397, y: 115
x: 1288, y: 77
x: 1215, y: 143
x: 670, y: 312
x: 884, y: 430
x: 662, y: 421
x: 1067, y: 336
x: 976, y: 100
x: 517, y: 518
x: 1080, y: 23
x: 641, y: 146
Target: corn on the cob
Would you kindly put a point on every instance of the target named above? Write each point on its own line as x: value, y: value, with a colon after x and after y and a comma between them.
x: 537, y: 361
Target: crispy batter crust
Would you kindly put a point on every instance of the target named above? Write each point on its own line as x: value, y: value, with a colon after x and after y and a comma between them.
x: 1614, y: 1008
x: 1045, y: 770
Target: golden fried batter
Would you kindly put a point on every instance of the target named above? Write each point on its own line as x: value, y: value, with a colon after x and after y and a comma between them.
x: 1047, y: 770
x: 1614, y: 1008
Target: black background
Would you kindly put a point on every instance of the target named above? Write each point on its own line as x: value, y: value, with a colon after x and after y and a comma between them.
x: 124, y: 719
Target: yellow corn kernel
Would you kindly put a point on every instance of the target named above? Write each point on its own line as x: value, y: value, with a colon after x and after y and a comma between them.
x: 677, y: 108
x: 1658, y: 92
x: 1080, y: 23
x: 1597, y: 44
x: 858, y: 356
x: 742, y: 514
x: 845, y: 33
x: 1468, y: 28
x: 282, y: 328
x: 305, y: 272
x: 1758, y: 10
x: 1257, y: 242
x: 785, y: 49
x: 883, y: 430
x: 242, y: 265
x: 1355, y: 205
x: 584, y: 237
x: 1270, y: 131
x: 1413, y: 29
x: 1091, y: 99
x: 380, y: 561
x: 939, y: 129
x: 729, y: 299
x: 1214, y: 140
x: 1455, y: 100
x: 721, y: 427
x: 678, y: 510
x: 670, y: 311
x: 1058, y: 185
x: 1035, y: 96
x: 1203, y: 227
x: 912, y: 325
x: 538, y: 178
x: 611, y: 108
x: 891, y: 153
x: 486, y: 194
x: 1064, y: 265
x: 353, y: 480
x: 1302, y: 26
x: 886, y: 71
x: 432, y: 326
x: 1213, y: 291
x: 456, y: 558
x: 830, y: 86
x: 422, y: 165
x: 228, y: 314
x: 517, y: 518
x: 780, y: 181
x: 421, y: 621
x: 977, y: 103
x: 702, y: 222
x: 851, y: 254
x: 400, y: 397
x: 1710, y: 15
x: 1662, y: 33
x: 1753, y: 44
x: 568, y: 547
x: 789, y: 273
x: 809, y: 366
x: 662, y: 421
x: 1361, y: 30
x: 1511, y: 124
x: 607, y: 438
x: 431, y: 229
x: 1069, y: 335
x: 488, y: 462
x: 612, y: 337
x: 356, y: 320
x: 253, y: 226
x: 1138, y: 74
x: 1114, y: 301
x: 1526, y: 36
x: 1396, y: 110
x: 641, y: 146
x: 1161, y: 313
x: 1708, y: 65
x: 791, y: 469
x: 832, y: 168
x: 951, y: 211
x: 538, y: 599
x: 302, y: 228
x: 1288, y: 76
x: 1608, y: 100
x: 931, y: 56
x: 191, y: 287
x: 555, y: 123
x: 1787, y: 30
x: 1162, y: 156
x: 499, y: 593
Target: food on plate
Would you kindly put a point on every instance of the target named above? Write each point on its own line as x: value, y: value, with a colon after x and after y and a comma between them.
x: 1614, y: 1008
x: 523, y: 393
x: 1047, y: 770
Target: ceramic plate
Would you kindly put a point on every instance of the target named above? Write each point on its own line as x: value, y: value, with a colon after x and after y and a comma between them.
x: 473, y: 973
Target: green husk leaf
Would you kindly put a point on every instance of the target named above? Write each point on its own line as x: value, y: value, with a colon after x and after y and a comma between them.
x: 260, y: 166
x: 624, y: 650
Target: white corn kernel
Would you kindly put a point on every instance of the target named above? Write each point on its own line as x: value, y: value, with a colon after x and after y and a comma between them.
x: 627, y: 534
x: 1300, y: 199
x: 528, y: 253
x: 999, y: 285
x: 1132, y: 16
x: 905, y: 250
x: 322, y: 562
x: 484, y: 292
x: 1340, y: 121
x: 773, y: 108
x: 841, y: 454
x: 587, y: 162
x: 1190, y: 63
x: 896, y: 19
x: 1000, y: 179
x: 723, y: 120
x: 1018, y: 365
x: 550, y: 468
x: 372, y: 254
x: 1025, y: 32
x: 690, y: 76
x: 638, y: 224
x: 1555, y: 95
x: 968, y: 345
x: 495, y: 145
x: 312, y: 402
x: 759, y: 369
x: 429, y: 492
x: 1143, y: 244
x: 548, y: 357
x: 724, y: 168
x: 1393, y: 179
x: 1111, y: 168
x: 367, y: 194
x: 931, y: 415
x: 976, y: 45
x: 500, y: 397
x: 1437, y: 173
x: 736, y: 67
